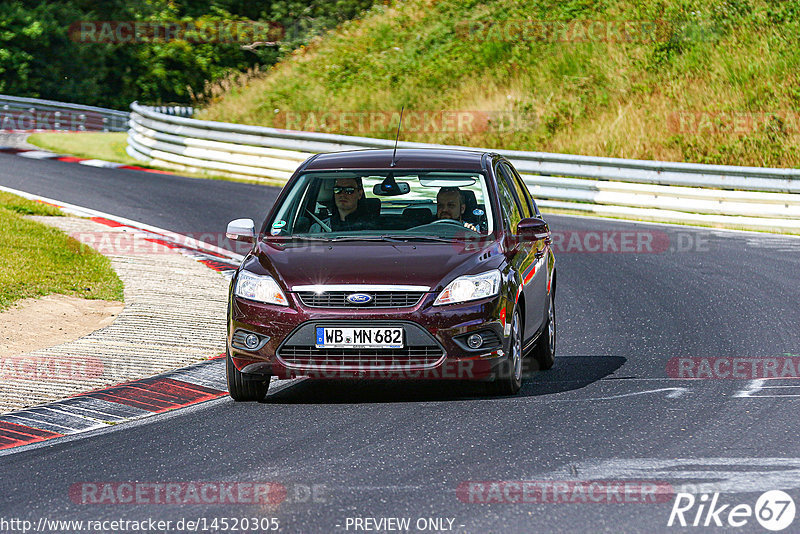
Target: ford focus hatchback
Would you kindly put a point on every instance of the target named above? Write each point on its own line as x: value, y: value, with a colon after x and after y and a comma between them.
x: 419, y: 264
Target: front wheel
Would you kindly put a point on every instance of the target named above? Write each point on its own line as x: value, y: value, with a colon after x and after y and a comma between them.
x: 509, y: 379
x: 544, y: 353
x: 242, y: 387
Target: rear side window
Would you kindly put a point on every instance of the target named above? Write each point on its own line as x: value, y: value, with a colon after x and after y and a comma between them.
x: 508, y: 200
x: 518, y: 190
x: 524, y: 194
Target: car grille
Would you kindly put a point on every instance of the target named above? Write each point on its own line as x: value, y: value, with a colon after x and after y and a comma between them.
x: 380, y: 299
x: 408, y: 358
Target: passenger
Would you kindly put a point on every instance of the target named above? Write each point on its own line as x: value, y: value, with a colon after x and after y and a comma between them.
x: 349, y: 212
x: 450, y: 205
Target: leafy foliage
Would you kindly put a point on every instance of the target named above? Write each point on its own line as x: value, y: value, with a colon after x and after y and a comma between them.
x: 597, y: 96
x: 39, y: 59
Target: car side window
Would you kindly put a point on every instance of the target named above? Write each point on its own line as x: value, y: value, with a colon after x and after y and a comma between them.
x: 523, y: 194
x: 508, y: 200
x: 518, y: 190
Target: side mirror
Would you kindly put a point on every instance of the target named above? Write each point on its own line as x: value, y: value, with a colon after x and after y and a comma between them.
x: 241, y: 230
x: 532, y: 230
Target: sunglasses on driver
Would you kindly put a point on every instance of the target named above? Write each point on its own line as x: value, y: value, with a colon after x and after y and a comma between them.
x: 337, y: 189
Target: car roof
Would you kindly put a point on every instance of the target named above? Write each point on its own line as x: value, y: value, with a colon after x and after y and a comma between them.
x: 406, y: 158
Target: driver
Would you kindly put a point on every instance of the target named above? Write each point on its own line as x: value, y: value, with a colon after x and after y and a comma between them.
x: 347, y: 215
x: 450, y: 205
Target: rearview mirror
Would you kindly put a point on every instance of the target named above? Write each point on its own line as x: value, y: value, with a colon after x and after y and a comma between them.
x: 532, y: 229
x: 241, y: 230
x: 391, y: 189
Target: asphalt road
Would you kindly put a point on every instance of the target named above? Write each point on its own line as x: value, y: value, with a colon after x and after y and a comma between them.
x: 177, y: 203
x: 610, y: 410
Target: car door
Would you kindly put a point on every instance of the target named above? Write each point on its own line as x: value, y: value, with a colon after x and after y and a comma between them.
x: 540, y: 247
x: 524, y: 260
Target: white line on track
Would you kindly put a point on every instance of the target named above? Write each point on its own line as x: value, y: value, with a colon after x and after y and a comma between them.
x: 101, y: 163
x: 674, y: 393
x: 80, y: 211
x: 756, y: 386
x: 674, y: 226
x: 38, y: 154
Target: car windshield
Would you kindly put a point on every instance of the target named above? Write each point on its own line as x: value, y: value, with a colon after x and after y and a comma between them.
x: 401, y: 205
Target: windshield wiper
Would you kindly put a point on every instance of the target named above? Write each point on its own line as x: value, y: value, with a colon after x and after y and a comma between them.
x: 418, y: 237
x: 366, y: 238
x: 300, y: 237
x: 394, y: 238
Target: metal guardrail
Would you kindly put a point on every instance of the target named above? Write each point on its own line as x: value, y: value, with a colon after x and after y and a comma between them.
x: 18, y: 113
x: 762, y: 198
x: 178, y: 111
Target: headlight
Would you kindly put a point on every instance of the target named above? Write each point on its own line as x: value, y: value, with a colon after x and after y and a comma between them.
x: 470, y: 287
x: 261, y: 288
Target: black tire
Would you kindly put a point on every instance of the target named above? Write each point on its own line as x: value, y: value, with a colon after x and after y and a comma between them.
x: 544, y: 352
x: 243, y: 388
x: 508, y: 380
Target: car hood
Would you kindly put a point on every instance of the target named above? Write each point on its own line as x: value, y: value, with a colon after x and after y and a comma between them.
x: 412, y: 263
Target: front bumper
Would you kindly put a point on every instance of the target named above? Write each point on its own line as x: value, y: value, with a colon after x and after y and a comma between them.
x: 434, y: 340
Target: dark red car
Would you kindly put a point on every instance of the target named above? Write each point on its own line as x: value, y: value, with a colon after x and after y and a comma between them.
x: 420, y: 264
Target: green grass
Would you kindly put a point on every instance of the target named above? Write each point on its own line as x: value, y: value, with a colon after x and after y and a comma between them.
x: 600, y: 98
x: 37, y: 260
x: 108, y: 146
x: 24, y: 206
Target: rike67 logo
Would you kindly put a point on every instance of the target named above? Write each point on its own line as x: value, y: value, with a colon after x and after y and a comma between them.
x: 774, y: 510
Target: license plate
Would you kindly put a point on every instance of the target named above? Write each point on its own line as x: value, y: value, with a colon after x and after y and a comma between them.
x: 359, y: 338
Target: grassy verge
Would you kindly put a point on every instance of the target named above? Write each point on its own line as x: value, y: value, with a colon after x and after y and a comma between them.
x: 23, y: 206
x: 677, y: 80
x: 37, y: 260
x: 110, y: 146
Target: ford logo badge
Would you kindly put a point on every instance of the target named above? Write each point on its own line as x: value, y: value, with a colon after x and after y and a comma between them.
x: 359, y: 298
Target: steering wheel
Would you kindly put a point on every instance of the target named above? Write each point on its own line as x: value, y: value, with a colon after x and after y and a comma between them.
x: 452, y: 222
x: 448, y: 221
